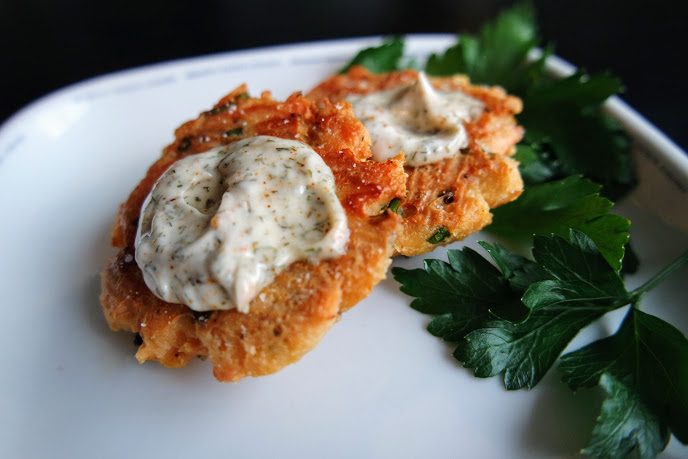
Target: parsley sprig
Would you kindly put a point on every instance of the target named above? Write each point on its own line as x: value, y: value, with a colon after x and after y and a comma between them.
x: 379, y: 59
x: 567, y: 131
x: 516, y: 320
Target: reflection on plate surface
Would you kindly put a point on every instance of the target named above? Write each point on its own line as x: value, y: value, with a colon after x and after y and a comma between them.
x: 378, y: 384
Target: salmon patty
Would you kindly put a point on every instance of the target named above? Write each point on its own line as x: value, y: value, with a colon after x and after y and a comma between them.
x: 450, y: 199
x: 291, y: 314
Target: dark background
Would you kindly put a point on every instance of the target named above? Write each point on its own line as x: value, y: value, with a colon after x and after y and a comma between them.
x: 47, y: 44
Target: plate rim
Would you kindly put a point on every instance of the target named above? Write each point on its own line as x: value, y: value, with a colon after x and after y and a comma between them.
x: 636, y: 125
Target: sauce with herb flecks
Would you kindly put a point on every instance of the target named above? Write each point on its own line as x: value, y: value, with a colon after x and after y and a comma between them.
x: 426, y: 124
x: 219, y: 226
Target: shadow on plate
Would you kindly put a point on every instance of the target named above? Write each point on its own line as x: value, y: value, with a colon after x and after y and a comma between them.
x: 560, y: 421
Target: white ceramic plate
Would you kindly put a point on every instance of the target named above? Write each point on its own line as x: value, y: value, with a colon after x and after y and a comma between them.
x: 377, y: 386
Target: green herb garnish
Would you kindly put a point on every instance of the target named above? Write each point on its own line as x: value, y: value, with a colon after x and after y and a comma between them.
x: 234, y: 132
x: 224, y: 107
x: 516, y: 321
x: 219, y: 109
x: 569, y: 134
x: 566, y: 131
x: 498, y: 55
x: 379, y: 59
x: 440, y: 235
x: 556, y: 207
x: 394, y: 205
x: 644, y: 370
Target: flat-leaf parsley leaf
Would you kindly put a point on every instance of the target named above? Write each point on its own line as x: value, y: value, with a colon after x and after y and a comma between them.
x: 558, y: 206
x: 649, y: 358
x: 516, y: 321
x: 379, y: 59
x: 468, y: 292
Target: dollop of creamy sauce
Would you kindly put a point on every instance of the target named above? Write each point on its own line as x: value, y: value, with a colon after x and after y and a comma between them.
x: 426, y: 124
x: 219, y: 226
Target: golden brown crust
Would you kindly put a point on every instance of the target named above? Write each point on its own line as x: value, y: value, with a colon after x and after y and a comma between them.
x: 455, y: 193
x: 291, y: 315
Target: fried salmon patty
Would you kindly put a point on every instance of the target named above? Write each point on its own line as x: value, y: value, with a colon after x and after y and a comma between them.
x: 450, y: 199
x: 289, y: 316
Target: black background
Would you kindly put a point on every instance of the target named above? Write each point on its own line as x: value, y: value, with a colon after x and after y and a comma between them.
x: 48, y: 44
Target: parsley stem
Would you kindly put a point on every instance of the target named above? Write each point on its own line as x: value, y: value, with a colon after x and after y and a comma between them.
x: 660, y: 276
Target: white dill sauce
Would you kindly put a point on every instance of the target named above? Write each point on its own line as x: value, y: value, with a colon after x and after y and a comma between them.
x: 426, y: 124
x: 219, y: 226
